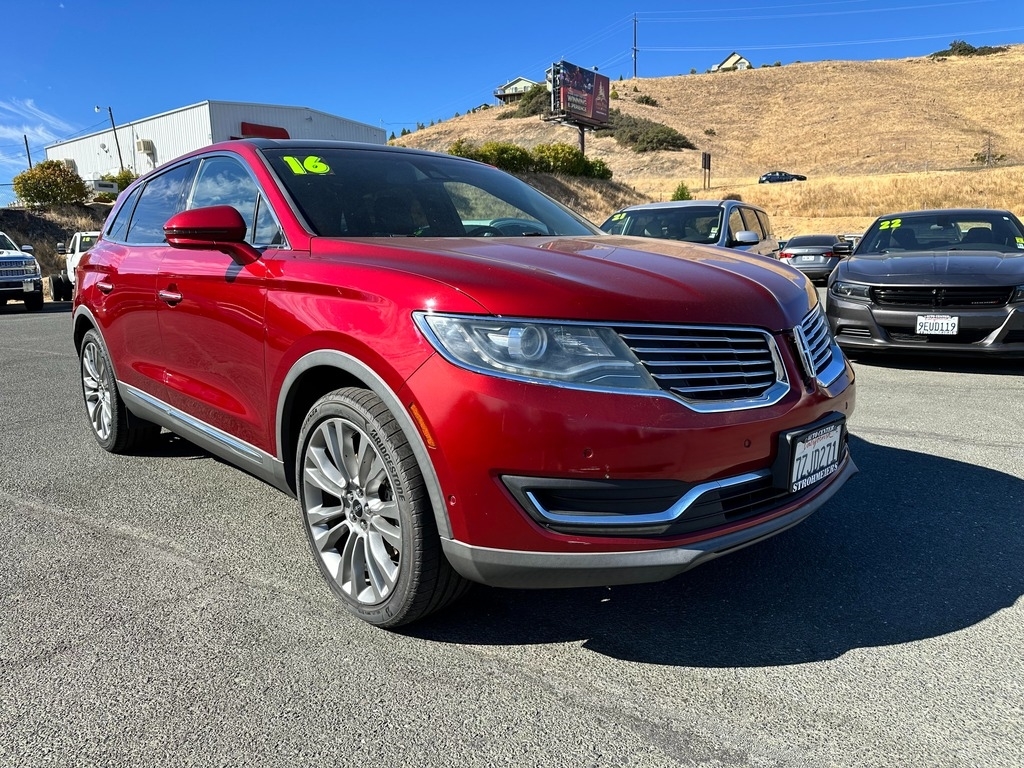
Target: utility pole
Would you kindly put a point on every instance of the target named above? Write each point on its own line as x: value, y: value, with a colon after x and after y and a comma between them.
x: 634, y: 46
x: 25, y: 136
x: 113, y: 128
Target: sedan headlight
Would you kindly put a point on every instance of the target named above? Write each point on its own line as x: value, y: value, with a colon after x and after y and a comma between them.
x: 845, y: 290
x: 582, y: 356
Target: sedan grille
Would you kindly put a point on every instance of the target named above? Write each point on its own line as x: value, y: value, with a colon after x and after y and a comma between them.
x: 735, y: 367
x: 936, y: 297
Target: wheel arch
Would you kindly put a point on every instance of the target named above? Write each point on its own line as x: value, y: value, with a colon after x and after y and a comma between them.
x: 317, y: 373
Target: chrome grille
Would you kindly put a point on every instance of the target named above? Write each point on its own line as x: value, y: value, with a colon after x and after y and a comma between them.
x: 24, y: 269
x: 735, y: 367
x: 816, y: 342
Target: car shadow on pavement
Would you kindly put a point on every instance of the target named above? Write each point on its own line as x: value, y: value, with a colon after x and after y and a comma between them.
x: 916, y: 546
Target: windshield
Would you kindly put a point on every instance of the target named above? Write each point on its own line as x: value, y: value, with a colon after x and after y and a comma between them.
x: 944, y: 231
x: 345, y: 192
x: 6, y: 244
x: 694, y: 224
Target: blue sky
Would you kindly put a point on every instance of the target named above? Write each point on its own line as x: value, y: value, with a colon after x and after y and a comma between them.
x: 395, y: 64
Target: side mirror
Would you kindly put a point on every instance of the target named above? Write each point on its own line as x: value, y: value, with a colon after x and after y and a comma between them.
x: 746, y: 237
x: 217, y: 228
x: 842, y: 249
x: 27, y: 248
x: 62, y: 249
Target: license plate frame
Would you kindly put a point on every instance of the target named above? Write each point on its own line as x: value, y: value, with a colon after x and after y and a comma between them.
x: 815, y: 454
x: 28, y: 286
x: 937, y: 325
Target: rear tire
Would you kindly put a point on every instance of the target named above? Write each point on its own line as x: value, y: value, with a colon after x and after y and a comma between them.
x: 115, y: 428
x: 367, y: 514
x: 67, y: 287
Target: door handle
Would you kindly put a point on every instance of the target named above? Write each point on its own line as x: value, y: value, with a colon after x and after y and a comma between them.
x: 170, y: 297
x: 104, y: 286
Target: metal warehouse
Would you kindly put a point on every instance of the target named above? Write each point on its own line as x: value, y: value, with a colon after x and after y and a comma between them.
x: 142, y: 145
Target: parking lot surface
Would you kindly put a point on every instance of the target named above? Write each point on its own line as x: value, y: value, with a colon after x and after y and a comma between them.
x: 164, y: 610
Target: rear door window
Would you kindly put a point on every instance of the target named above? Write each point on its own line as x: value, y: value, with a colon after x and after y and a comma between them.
x: 160, y: 199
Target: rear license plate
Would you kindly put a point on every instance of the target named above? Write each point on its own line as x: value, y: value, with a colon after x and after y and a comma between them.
x: 815, y: 456
x: 938, y: 325
x: 808, y: 258
x: 28, y: 286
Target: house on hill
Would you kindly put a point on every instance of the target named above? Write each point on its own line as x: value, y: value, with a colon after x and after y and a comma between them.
x: 731, y: 63
x: 514, y: 90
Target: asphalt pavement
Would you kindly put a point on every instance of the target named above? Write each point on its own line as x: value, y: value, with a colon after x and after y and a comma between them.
x: 163, y: 610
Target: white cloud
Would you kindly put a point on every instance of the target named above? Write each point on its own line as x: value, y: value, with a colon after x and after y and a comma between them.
x: 22, y: 118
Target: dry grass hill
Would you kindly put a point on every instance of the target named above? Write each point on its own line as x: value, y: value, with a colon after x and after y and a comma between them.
x: 872, y: 137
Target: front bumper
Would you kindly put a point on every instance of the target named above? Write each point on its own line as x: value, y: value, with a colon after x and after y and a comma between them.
x: 517, y: 465
x: 21, y: 287
x: 859, y: 325
x: 543, y: 570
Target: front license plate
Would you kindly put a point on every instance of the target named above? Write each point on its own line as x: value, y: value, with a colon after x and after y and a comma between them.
x: 938, y: 325
x: 815, y: 456
x: 28, y: 286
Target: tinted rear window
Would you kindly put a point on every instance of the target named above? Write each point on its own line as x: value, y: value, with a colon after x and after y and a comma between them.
x: 812, y: 240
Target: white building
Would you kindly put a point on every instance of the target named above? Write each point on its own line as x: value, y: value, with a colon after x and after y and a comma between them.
x: 147, y: 143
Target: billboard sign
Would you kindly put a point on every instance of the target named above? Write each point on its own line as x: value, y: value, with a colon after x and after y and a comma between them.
x: 579, y: 95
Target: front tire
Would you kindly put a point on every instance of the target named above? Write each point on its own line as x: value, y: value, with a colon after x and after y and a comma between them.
x: 367, y: 514
x: 115, y: 428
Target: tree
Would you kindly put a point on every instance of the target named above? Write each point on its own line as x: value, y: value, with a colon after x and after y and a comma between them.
x: 682, y: 192
x: 123, y: 178
x: 50, y: 183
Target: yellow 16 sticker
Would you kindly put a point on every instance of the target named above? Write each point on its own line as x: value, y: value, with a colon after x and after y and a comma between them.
x: 311, y: 164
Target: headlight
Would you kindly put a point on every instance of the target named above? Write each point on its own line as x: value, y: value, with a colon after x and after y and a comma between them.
x: 583, y: 356
x: 851, y: 290
x: 1018, y: 294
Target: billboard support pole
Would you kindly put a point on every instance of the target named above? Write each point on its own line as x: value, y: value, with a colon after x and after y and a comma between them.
x: 583, y: 143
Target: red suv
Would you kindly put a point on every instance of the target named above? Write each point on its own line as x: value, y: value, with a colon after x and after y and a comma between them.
x: 460, y: 380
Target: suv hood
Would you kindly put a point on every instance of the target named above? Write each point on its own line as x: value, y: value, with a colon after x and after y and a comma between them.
x: 930, y: 267
x: 604, y: 278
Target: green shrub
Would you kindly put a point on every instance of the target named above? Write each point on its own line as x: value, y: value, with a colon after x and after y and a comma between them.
x: 682, y: 192
x: 463, y: 148
x: 50, y: 183
x: 643, y: 135
x: 613, y: 95
x: 508, y: 157
x: 598, y: 169
x: 125, y: 176
x: 536, y: 101
x: 646, y: 100
x: 559, y: 158
x: 961, y: 48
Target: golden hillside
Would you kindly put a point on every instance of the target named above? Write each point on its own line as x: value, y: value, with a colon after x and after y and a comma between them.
x: 872, y: 136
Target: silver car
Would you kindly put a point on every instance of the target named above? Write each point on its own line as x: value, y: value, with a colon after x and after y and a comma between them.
x: 727, y: 223
x: 814, y: 255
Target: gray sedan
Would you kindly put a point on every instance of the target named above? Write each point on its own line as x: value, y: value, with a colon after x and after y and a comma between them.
x: 814, y: 255
x: 947, y: 281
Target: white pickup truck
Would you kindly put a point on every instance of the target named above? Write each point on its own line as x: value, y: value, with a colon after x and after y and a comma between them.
x: 61, y: 285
